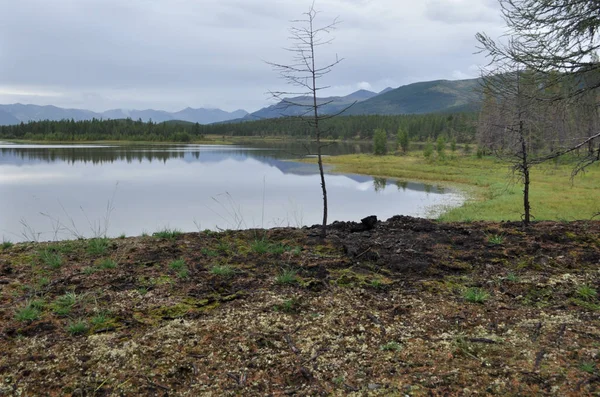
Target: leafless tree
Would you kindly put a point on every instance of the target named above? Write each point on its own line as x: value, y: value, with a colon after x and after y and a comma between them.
x: 513, y: 122
x: 305, y: 73
x: 559, y: 39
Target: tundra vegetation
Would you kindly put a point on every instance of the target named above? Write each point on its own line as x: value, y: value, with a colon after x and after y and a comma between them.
x: 412, y: 306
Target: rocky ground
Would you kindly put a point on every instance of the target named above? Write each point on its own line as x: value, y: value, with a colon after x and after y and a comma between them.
x: 410, y: 307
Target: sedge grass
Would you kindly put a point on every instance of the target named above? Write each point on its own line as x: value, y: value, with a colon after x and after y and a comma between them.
x: 494, y: 194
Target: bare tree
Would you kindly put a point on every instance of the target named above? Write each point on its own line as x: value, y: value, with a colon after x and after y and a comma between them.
x: 557, y: 38
x: 304, y: 72
x: 513, y: 122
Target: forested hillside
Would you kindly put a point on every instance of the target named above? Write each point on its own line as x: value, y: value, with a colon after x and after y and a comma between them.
x: 460, y: 126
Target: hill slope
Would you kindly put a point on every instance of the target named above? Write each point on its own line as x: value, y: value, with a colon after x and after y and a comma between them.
x: 423, y: 97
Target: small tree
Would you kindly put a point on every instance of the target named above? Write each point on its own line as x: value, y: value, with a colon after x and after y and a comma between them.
x: 380, y: 142
x: 428, y: 150
x: 402, y: 139
x: 440, y: 147
x: 305, y: 73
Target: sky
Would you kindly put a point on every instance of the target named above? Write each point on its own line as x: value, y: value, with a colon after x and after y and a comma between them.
x: 173, y: 54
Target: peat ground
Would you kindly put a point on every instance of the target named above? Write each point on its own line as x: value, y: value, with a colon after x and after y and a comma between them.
x: 412, y: 307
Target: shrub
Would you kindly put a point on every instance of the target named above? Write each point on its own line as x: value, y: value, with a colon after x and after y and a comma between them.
x: 402, y: 140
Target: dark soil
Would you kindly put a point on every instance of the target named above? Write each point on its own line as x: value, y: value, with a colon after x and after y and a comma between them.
x: 403, y: 307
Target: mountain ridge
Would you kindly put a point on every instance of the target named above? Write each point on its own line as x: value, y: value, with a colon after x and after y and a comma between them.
x: 436, y: 96
x: 18, y: 112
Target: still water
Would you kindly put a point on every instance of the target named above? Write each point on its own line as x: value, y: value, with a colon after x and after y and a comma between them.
x: 53, y: 192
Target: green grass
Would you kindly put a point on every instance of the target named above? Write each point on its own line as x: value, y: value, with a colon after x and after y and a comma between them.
x: 97, y: 246
x: 63, y: 305
x: 77, y: 327
x: 475, y: 295
x: 89, y: 270
x: 177, y: 265
x: 513, y: 278
x: 106, y: 264
x: 589, y: 367
x: 586, y: 292
x: 222, y: 270
x: 6, y: 244
x: 263, y: 246
x: 50, y: 258
x: 260, y: 246
x: 209, y: 252
x: 42, y: 282
x: 28, y: 314
x: 391, y: 346
x: 287, y: 306
x: 287, y: 276
x: 494, y: 197
x: 167, y: 233
x: 495, y: 239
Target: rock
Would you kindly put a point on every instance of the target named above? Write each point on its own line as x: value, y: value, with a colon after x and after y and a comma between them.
x: 369, y: 222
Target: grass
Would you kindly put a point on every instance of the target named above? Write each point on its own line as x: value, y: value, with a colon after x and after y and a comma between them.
x: 475, y: 295
x: 391, y: 346
x: 222, y: 270
x: 488, y: 183
x: 177, y: 265
x: 287, y: 306
x: 77, y: 327
x: 50, y: 258
x: 209, y: 252
x: 589, y: 367
x: 260, y: 246
x: 263, y: 246
x: 513, y: 278
x: 63, y: 305
x: 586, y: 292
x: 287, y: 276
x: 106, y: 264
x: 495, y: 239
x: 28, y: 314
x: 6, y: 244
x: 167, y: 233
x: 97, y: 246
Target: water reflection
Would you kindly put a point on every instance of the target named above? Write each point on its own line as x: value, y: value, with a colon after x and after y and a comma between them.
x: 183, y: 186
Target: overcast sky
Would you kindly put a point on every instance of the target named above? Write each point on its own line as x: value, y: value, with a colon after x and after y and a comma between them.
x: 171, y: 54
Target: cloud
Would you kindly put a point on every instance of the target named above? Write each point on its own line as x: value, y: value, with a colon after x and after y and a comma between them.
x: 170, y: 54
x: 462, y: 11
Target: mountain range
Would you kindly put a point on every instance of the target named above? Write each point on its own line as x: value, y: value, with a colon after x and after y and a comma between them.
x: 16, y: 113
x: 437, y: 96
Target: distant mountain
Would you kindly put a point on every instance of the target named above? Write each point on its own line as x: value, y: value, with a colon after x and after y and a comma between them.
x: 27, y: 113
x: 7, y: 118
x: 425, y: 97
x: 16, y: 113
x: 207, y: 116
x: 331, y: 105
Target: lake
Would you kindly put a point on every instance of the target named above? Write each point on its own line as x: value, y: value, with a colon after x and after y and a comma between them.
x: 54, y: 192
